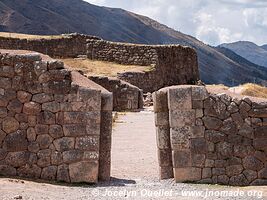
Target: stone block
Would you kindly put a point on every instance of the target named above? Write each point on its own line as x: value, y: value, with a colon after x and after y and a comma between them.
x: 44, y: 141
x: 41, y: 129
x: 163, y: 137
x: 197, y: 132
x: 261, y: 132
x: 15, y: 142
x: 3, y: 154
x: 7, y: 170
x: 218, y: 171
x: 206, y: 173
x: 180, y: 98
x: 44, y: 158
x: 40, y: 67
x: 187, y: 174
x: 252, y: 163
x: 233, y: 170
x: 10, y: 125
x: 29, y: 171
x: 17, y: 159
x: 199, y: 93
x: 160, y: 101
x: 220, y: 163
x: 209, y: 163
x: 64, y: 144
x: 224, y: 149
x: 180, y: 118
x: 87, y: 143
x: 51, y: 107
x: 31, y: 134
x: 33, y: 147
x: 165, y: 172
x: 260, y: 144
x: 72, y: 156
x: 197, y: 104
x: 56, y: 131
x: 21, y: 117
x: 239, y: 180
x: 215, y: 136
x: 3, y: 112
x: 15, y: 106
x: 198, y: 160
x: 7, y: 71
x: 250, y: 175
x: 199, y: 146
x: 180, y: 138
x: 63, y: 173
x: 46, y: 117
x: 42, y: 98
x: 32, y: 108
x: 83, y: 172
x: 258, y: 113
x: 263, y: 173
x: 162, y: 119
x: 72, y: 130
x: 212, y: 123
x: 223, y: 179
x: 181, y: 159
x: 49, y: 173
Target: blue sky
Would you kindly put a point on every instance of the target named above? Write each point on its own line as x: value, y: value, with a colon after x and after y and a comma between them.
x: 212, y: 21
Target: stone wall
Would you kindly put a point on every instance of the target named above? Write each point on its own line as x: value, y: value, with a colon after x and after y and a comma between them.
x: 126, y: 97
x: 206, y: 137
x: 167, y: 64
x: 68, y: 46
x: 55, y: 124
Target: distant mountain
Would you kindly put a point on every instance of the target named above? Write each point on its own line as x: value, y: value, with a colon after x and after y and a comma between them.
x: 264, y: 47
x: 65, y: 16
x: 250, y: 51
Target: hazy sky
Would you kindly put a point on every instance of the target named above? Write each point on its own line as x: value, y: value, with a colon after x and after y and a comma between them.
x: 212, y: 21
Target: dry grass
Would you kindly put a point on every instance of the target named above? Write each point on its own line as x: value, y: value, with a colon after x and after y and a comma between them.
x: 254, y: 90
x: 101, y: 68
x: 30, y: 37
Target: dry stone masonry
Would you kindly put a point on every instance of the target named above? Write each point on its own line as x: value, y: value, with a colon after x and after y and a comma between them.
x: 167, y: 64
x: 205, y: 137
x: 126, y: 97
x: 54, y: 124
x: 67, y: 46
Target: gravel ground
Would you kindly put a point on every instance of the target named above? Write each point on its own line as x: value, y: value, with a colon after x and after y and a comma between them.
x: 134, y: 166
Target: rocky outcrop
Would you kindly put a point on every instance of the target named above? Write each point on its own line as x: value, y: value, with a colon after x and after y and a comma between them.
x: 211, y: 138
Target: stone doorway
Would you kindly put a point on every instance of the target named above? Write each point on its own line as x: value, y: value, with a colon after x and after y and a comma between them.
x: 134, y: 148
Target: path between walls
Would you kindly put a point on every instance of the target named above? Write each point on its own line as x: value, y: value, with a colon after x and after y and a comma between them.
x: 134, y: 149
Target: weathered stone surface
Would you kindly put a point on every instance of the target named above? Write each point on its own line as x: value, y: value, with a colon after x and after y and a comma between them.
x: 3, y: 154
x: 41, y: 129
x: 44, y: 141
x: 42, y: 98
x: 31, y: 134
x: 15, y: 106
x: 164, y: 157
x: 180, y: 159
x: 49, y: 173
x: 3, y: 112
x: 218, y: 171
x: 17, y: 159
x: 29, y: 171
x: 10, y: 125
x: 199, y: 93
x: 162, y: 119
x: 246, y: 131
x: 33, y: 147
x: 223, y: 179
x: 250, y: 175
x: 56, y: 131
x: 2, y: 136
x: 206, y: 173
x: 187, y: 174
x: 225, y: 149
x: 21, y: 117
x: 229, y: 127
x: 15, y: 142
x: 180, y: 138
x: 243, y: 151
x: 198, y: 160
x: 72, y: 156
x: 7, y: 170
x: 64, y: 144
x: 197, y: 131
x: 24, y: 96
x: 180, y: 98
x: 88, y: 143
x: 31, y: 108
x: 44, y: 158
x: 51, y: 106
x: 263, y: 173
x: 63, y: 173
x: 220, y: 163
x: 73, y: 130
x: 252, y: 163
x: 209, y: 163
x: 260, y: 144
x: 259, y: 182
x: 234, y: 170
x: 261, y: 132
x: 83, y: 172
x: 239, y: 180
x: 215, y: 136
x: 46, y: 117
x: 56, y: 158
x: 232, y: 108
x: 163, y: 137
x: 180, y: 118
x: 237, y: 118
x: 212, y: 123
x: 199, y: 145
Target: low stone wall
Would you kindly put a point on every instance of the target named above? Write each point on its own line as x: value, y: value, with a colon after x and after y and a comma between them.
x: 69, y: 46
x: 205, y: 137
x: 55, y: 124
x: 167, y: 64
x: 126, y: 97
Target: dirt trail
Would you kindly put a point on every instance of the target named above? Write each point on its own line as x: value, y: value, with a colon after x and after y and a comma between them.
x: 134, y: 149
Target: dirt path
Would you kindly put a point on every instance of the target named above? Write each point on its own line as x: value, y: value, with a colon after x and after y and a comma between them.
x: 134, y: 150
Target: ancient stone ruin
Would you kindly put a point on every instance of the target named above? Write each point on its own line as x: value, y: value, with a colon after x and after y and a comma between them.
x: 55, y: 124
x: 206, y: 137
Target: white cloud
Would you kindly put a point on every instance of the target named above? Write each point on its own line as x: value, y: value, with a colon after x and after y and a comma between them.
x: 212, y: 21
